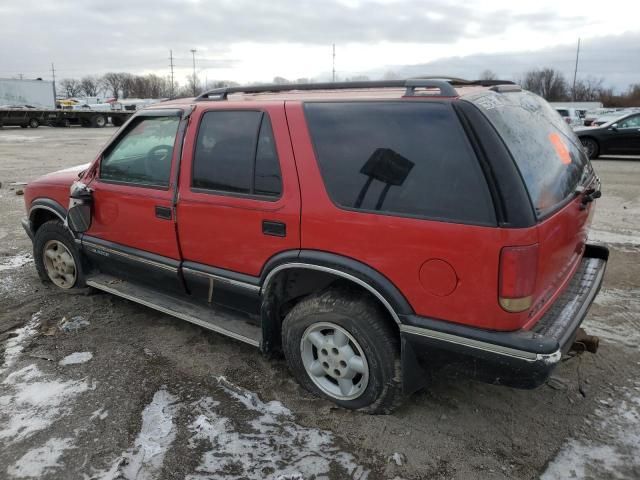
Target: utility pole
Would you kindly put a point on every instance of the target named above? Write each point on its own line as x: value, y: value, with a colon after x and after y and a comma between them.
x: 575, y: 72
x: 333, y: 71
x: 53, y: 74
x: 193, y: 54
x: 171, y: 65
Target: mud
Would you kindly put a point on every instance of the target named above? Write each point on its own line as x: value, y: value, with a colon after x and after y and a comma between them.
x: 130, y: 393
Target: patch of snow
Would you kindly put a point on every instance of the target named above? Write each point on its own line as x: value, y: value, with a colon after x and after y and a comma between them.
x: 628, y: 237
x: 76, y: 358
x: 619, y: 323
x: 16, y: 261
x: 34, y: 402
x: 74, y: 324
x: 614, y: 453
x: 276, y: 447
x: 100, y: 414
x: 13, y: 346
x: 38, y: 461
x: 144, y: 460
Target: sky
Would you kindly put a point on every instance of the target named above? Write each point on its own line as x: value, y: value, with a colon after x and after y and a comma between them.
x: 252, y: 40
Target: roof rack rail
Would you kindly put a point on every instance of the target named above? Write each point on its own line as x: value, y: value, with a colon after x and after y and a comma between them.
x: 444, y: 84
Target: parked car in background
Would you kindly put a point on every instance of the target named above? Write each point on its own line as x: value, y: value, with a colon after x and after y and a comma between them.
x: 572, y: 116
x: 620, y: 136
x: 372, y: 232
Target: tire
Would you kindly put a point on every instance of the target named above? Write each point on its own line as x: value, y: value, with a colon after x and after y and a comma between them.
x: 34, y: 123
x: 591, y: 147
x: 325, y: 331
x: 117, y: 121
x: 98, y: 121
x: 54, y: 238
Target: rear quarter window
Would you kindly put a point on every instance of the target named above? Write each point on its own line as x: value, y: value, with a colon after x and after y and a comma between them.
x: 546, y: 151
x: 399, y: 158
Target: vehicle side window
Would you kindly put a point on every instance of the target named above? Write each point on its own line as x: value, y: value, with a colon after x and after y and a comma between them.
x: 267, y: 176
x: 631, y: 122
x: 235, y: 153
x: 409, y: 159
x: 143, y: 155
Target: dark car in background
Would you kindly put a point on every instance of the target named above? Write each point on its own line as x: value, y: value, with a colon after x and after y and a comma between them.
x: 617, y: 137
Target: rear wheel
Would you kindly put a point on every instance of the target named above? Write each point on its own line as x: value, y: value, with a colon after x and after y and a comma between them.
x: 98, y: 121
x: 34, y: 123
x: 117, y: 121
x: 591, y: 147
x: 339, y: 345
x: 56, y: 257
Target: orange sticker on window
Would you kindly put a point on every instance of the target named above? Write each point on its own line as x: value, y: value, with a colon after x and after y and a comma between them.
x: 561, y: 148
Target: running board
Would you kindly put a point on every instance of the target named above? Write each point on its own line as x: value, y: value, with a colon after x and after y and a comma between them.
x: 212, y: 319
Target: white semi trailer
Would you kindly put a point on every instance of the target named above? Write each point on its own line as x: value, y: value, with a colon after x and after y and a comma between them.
x: 36, y: 93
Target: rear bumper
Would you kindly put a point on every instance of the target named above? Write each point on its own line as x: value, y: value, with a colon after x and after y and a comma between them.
x: 522, y: 359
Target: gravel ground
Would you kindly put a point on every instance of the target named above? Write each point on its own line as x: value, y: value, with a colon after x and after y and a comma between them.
x: 97, y: 387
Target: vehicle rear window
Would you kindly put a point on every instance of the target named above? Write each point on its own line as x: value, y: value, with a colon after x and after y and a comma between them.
x: 401, y: 158
x: 547, y: 152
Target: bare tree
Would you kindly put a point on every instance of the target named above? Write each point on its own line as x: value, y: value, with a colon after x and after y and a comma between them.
x: 71, y: 87
x: 390, y: 75
x: 546, y: 82
x: 113, y: 83
x: 488, y: 75
x: 280, y: 81
x: 90, y: 85
x: 193, y: 84
x: 588, y: 89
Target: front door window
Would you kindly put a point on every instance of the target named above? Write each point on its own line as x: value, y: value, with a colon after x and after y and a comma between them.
x: 143, y: 155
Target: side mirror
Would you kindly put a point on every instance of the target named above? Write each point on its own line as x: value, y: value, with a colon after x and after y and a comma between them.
x: 79, y: 211
x: 614, y: 127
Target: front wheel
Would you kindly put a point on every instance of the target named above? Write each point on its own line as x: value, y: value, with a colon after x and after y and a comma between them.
x: 34, y: 123
x: 340, y: 345
x: 591, y: 147
x: 56, y: 257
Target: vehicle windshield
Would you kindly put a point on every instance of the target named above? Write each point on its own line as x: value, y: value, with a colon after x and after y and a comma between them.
x: 548, y: 154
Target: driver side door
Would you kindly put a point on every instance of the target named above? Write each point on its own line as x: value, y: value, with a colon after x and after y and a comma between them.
x: 628, y: 134
x: 132, y: 234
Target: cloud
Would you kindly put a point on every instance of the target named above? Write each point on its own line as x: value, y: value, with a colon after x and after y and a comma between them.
x: 91, y: 36
x: 614, y: 58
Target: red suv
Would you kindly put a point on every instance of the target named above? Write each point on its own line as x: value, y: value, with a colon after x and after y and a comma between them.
x: 370, y: 231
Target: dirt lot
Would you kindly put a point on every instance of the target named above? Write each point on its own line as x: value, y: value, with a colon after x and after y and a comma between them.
x: 96, y: 387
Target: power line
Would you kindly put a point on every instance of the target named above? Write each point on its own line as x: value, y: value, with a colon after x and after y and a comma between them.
x: 575, y: 71
x: 193, y: 55
x: 53, y: 75
x: 333, y: 70
x: 171, y: 64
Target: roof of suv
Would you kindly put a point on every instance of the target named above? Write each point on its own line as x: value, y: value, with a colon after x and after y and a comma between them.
x: 430, y: 87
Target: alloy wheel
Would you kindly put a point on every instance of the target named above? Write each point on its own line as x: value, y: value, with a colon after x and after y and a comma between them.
x: 334, y: 361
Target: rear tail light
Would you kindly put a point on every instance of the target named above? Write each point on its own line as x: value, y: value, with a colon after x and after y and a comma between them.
x: 518, y: 267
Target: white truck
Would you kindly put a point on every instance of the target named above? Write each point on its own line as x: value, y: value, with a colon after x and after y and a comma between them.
x: 32, y: 93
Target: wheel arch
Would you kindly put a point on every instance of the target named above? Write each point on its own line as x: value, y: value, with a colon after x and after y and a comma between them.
x: 293, y: 277
x: 44, y: 209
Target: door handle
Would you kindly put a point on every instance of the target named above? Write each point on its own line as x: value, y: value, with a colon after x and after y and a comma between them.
x: 274, y: 229
x: 163, y: 212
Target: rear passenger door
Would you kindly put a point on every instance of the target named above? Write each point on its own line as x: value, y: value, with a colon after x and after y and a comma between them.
x: 239, y: 202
